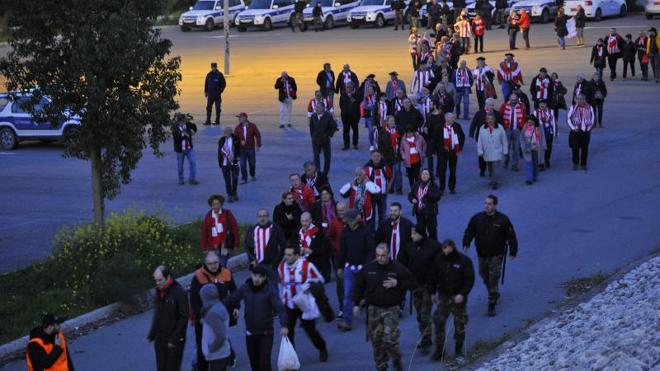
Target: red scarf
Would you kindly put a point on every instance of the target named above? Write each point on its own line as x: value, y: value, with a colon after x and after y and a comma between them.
x: 414, y: 154
x: 218, y: 230
x: 508, y: 116
x: 394, y: 241
x: 462, y: 78
x: 261, y: 238
x: 394, y: 138
x: 612, y: 44
x: 307, y: 236
x: 421, y: 192
x: 162, y: 291
x: 542, y: 88
x: 451, y: 139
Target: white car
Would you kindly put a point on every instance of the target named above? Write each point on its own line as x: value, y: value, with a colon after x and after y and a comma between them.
x: 334, y: 12
x: 651, y: 8
x: 597, y: 9
x: 471, y: 11
x: 378, y: 12
x: 542, y: 10
x: 265, y: 14
x: 208, y: 14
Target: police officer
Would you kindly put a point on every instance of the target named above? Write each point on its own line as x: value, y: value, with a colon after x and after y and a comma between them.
x: 214, y: 86
x: 398, y: 6
x: 451, y: 280
x: 47, y: 348
x: 383, y: 284
x: 493, y: 234
x: 417, y: 255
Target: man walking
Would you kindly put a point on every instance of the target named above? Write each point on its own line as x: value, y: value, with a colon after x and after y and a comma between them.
x: 214, y: 86
x: 47, y: 348
x: 417, y: 255
x: 492, y: 146
x: 349, y: 102
x: 449, y: 144
x: 493, y: 236
x: 326, y: 82
x: 398, y: 6
x: 182, y: 134
x: 168, y: 328
x: 541, y: 87
x: 297, y: 19
x: 463, y: 80
x: 250, y: 138
x: 345, y: 77
x: 394, y: 85
x: 314, y: 179
x: 508, y: 75
x: 484, y: 76
x: 451, y: 280
x: 219, y: 229
x: 229, y: 152
x: 525, y: 22
x: 383, y: 284
x: 395, y: 231
x: 286, y: 93
x: 478, y: 121
x: 361, y: 194
x: 614, y: 47
x: 379, y: 173
x: 321, y: 128
x: 581, y: 120
x: 514, y: 116
x: 265, y: 243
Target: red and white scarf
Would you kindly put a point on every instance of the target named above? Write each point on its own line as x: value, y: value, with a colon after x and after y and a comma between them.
x: 377, y: 175
x: 287, y: 89
x: 547, y: 120
x: 513, y: 115
x: 228, y: 151
x: 462, y: 78
x: 533, y: 133
x: 613, y: 44
x: 421, y: 192
x: 218, y: 230
x: 412, y: 42
x: 600, y: 51
x: 480, y: 77
x: 581, y: 117
x: 346, y: 76
x: 451, y: 139
x: 306, y: 236
x: 382, y: 113
x: 394, y: 138
x: 542, y: 86
x: 261, y: 237
x: 421, y: 79
x: 395, y: 240
x: 414, y: 155
x: 185, y: 139
x: 295, y: 278
x: 509, y: 72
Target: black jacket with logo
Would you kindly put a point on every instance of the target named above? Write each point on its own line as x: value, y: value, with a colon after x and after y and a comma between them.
x: 418, y: 258
x: 369, y: 284
x: 492, y: 234
x: 451, y: 275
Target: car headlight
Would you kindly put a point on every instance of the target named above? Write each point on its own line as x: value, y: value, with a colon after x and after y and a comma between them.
x: 258, y: 18
x: 200, y: 19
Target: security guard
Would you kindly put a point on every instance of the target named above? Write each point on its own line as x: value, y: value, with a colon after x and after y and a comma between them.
x: 214, y: 86
x: 47, y: 348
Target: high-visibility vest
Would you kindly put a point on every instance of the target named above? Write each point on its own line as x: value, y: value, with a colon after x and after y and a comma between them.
x: 204, y: 277
x: 61, y: 364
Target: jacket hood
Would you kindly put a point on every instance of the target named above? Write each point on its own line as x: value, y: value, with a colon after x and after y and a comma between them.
x: 209, y: 294
x: 39, y: 333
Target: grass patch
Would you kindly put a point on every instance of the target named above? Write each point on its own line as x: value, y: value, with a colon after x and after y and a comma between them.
x: 579, y: 286
x: 86, y: 271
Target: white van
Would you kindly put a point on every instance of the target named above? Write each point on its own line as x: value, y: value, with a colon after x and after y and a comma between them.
x: 265, y: 14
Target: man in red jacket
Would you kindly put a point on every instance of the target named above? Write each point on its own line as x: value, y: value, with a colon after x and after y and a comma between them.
x: 250, y: 139
x: 525, y: 22
x: 219, y: 229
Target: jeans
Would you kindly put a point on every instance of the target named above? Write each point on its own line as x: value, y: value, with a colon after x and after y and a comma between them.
x: 627, y: 63
x: 249, y: 156
x: 397, y: 184
x: 462, y: 96
x: 212, y: 100
x: 512, y: 38
x: 562, y: 42
x: 259, y: 349
x: 525, y: 32
x: 369, y: 122
x: 598, y: 111
x: 349, y: 281
x: 446, y: 160
x: 190, y: 155
x: 579, y: 143
x: 285, y: 111
x: 465, y: 43
x: 478, y: 43
x: 348, y: 123
x: 513, y: 136
x: 532, y: 167
x: 230, y: 173
x: 327, y: 155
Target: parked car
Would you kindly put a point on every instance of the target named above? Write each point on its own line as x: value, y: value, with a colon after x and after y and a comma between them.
x: 265, y: 14
x: 209, y: 14
x: 377, y: 12
x: 334, y: 12
x: 651, y: 8
x: 597, y: 9
x: 471, y: 10
x: 17, y: 124
x: 541, y: 10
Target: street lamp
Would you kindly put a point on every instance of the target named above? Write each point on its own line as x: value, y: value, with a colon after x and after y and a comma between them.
x: 226, y: 30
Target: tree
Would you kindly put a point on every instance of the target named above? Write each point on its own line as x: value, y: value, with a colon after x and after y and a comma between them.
x: 103, y: 61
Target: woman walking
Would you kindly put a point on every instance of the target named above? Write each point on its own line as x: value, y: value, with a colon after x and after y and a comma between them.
x: 532, y: 142
x: 557, y: 100
x: 424, y: 196
x: 600, y: 92
x: 560, y: 28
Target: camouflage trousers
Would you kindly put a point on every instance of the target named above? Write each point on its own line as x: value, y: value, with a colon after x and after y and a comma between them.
x: 423, y: 307
x: 490, y: 269
x: 384, y: 333
x: 446, y: 306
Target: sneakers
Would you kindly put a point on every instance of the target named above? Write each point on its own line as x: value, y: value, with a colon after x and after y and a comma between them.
x: 323, y: 355
x: 491, y: 310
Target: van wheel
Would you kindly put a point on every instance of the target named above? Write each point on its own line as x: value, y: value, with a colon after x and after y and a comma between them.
x: 380, y: 21
x: 209, y: 25
x: 8, y: 140
x: 268, y: 25
x: 599, y: 15
x: 623, y: 11
x: 329, y: 23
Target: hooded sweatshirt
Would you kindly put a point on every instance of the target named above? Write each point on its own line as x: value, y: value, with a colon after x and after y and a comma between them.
x: 215, y: 325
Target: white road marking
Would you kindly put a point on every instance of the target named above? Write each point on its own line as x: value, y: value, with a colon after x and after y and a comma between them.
x: 617, y: 27
x: 221, y: 37
x: 7, y: 153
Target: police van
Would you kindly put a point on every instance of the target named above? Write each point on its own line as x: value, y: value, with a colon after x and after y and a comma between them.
x: 266, y: 14
x: 17, y: 124
x: 541, y: 10
x: 377, y: 12
x: 209, y: 14
x: 334, y: 12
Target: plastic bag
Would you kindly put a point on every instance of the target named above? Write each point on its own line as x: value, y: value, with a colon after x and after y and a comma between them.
x: 307, y: 304
x: 288, y: 359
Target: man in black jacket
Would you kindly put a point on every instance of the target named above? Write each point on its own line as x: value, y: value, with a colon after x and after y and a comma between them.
x: 493, y: 235
x: 168, y: 329
x: 214, y: 86
x: 398, y: 6
x: 417, y: 255
x: 395, y: 231
x: 314, y: 179
x: 48, y: 335
x: 451, y: 280
x: 265, y: 243
x: 349, y: 102
x: 408, y: 117
x: 287, y: 91
x: 449, y: 140
x: 344, y: 77
x: 321, y: 128
x: 182, y: 134
x: 261, y: 302
x: 326, y: 82
x: 286, y: 215
x: 383, y: 284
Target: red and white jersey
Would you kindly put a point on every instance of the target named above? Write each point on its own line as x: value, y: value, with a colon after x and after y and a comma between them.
x: 509, y: 72
x: 542, y: 86
x: 311, y: 106
x: 546, y: 120
x: 394, y: 138
x: 480, y: 77
x: 420, y: 79
x: 463, y: 28
x: 581, y: 117
x: 379, y: 176
x: 307, y: 236
x: 425, y: 106
x: 261, y: 237
x: 613, y: 44
x: 296, y: 278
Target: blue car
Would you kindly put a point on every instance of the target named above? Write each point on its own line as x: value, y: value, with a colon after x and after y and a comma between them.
x: 17, y: 124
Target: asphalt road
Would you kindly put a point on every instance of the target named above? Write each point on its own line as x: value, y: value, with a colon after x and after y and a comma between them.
x: 570, y: 224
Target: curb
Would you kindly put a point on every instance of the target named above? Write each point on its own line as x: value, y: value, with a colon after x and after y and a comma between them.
x: 16, y: 347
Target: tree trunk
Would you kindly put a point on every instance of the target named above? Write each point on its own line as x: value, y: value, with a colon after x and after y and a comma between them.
x: 97, y: 189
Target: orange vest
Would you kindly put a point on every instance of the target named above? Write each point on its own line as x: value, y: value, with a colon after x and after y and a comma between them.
x: 61, y: 364
x: 204, y: 277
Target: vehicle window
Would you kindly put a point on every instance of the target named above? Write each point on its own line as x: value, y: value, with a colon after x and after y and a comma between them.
x: 234, y: 2
x: 3, y: 103
x: 282, y: 3
x: 260, y: 4
x: 372, y: 2
x: 326, y: 3
x: 388, y: 2
x: 204, y: 5
x: 20, y: 106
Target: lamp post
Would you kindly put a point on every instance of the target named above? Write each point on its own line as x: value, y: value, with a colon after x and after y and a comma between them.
x: 226, y: 30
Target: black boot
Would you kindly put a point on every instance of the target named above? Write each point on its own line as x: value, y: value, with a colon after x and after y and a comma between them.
x: 491, y: 310
x: 398, y: 366
x: 439, y: 351
x: 458, y: 349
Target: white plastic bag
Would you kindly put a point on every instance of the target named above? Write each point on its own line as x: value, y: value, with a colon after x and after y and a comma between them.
x: 307, y: 304
x: 288, y: 359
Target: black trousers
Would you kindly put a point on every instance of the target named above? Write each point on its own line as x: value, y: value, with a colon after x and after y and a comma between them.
x: 259, y: 349
x: 413, y: 173
x: 525, y: 34
x: 482, y: 166
x: 548, y: 148
x: 218, y: 365
x: 579, y: 143
x: 308, y: 326
x: 481, y: 99
x: 327, y: 155
x: 350, y: 123
x: 168, y: 359
x: 430, y: 222
x: 479, y: 40
x: 643, y: 67
x: 230, y: 173
x: 446, y: 160
x: 627, y: 63
x: 611, y: 61
x: 598, y: 111
x: 211, y: 100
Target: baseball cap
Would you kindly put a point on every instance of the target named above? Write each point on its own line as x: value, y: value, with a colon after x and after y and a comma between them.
x: 242, y: 114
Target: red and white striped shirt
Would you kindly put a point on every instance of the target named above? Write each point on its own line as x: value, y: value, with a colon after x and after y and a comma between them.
x: 412, y: 43
x: 463, y: 28
x: 379, y: 176
x: 613, y: 44
x: 425, y: 106
x: 307, y: 236
x: 581, y: 117
x: 296, y: 278
x: 420, y: 79
x: 261, y: 237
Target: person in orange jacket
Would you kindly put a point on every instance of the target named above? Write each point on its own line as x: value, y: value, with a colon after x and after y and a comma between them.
x: 525, y: 22
x: 47, y: 349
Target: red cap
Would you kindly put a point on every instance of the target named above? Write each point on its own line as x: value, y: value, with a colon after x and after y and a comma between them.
x: 242, y: 114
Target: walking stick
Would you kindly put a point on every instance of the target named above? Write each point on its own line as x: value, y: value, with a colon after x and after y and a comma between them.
x: 506, y: 250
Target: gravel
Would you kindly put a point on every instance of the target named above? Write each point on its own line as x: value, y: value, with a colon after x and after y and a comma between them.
x: 618, y: 329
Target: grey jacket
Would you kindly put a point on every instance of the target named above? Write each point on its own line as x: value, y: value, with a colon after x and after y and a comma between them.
x: 492, y: 146
x: 527, y: 145
x: 215, y: 325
